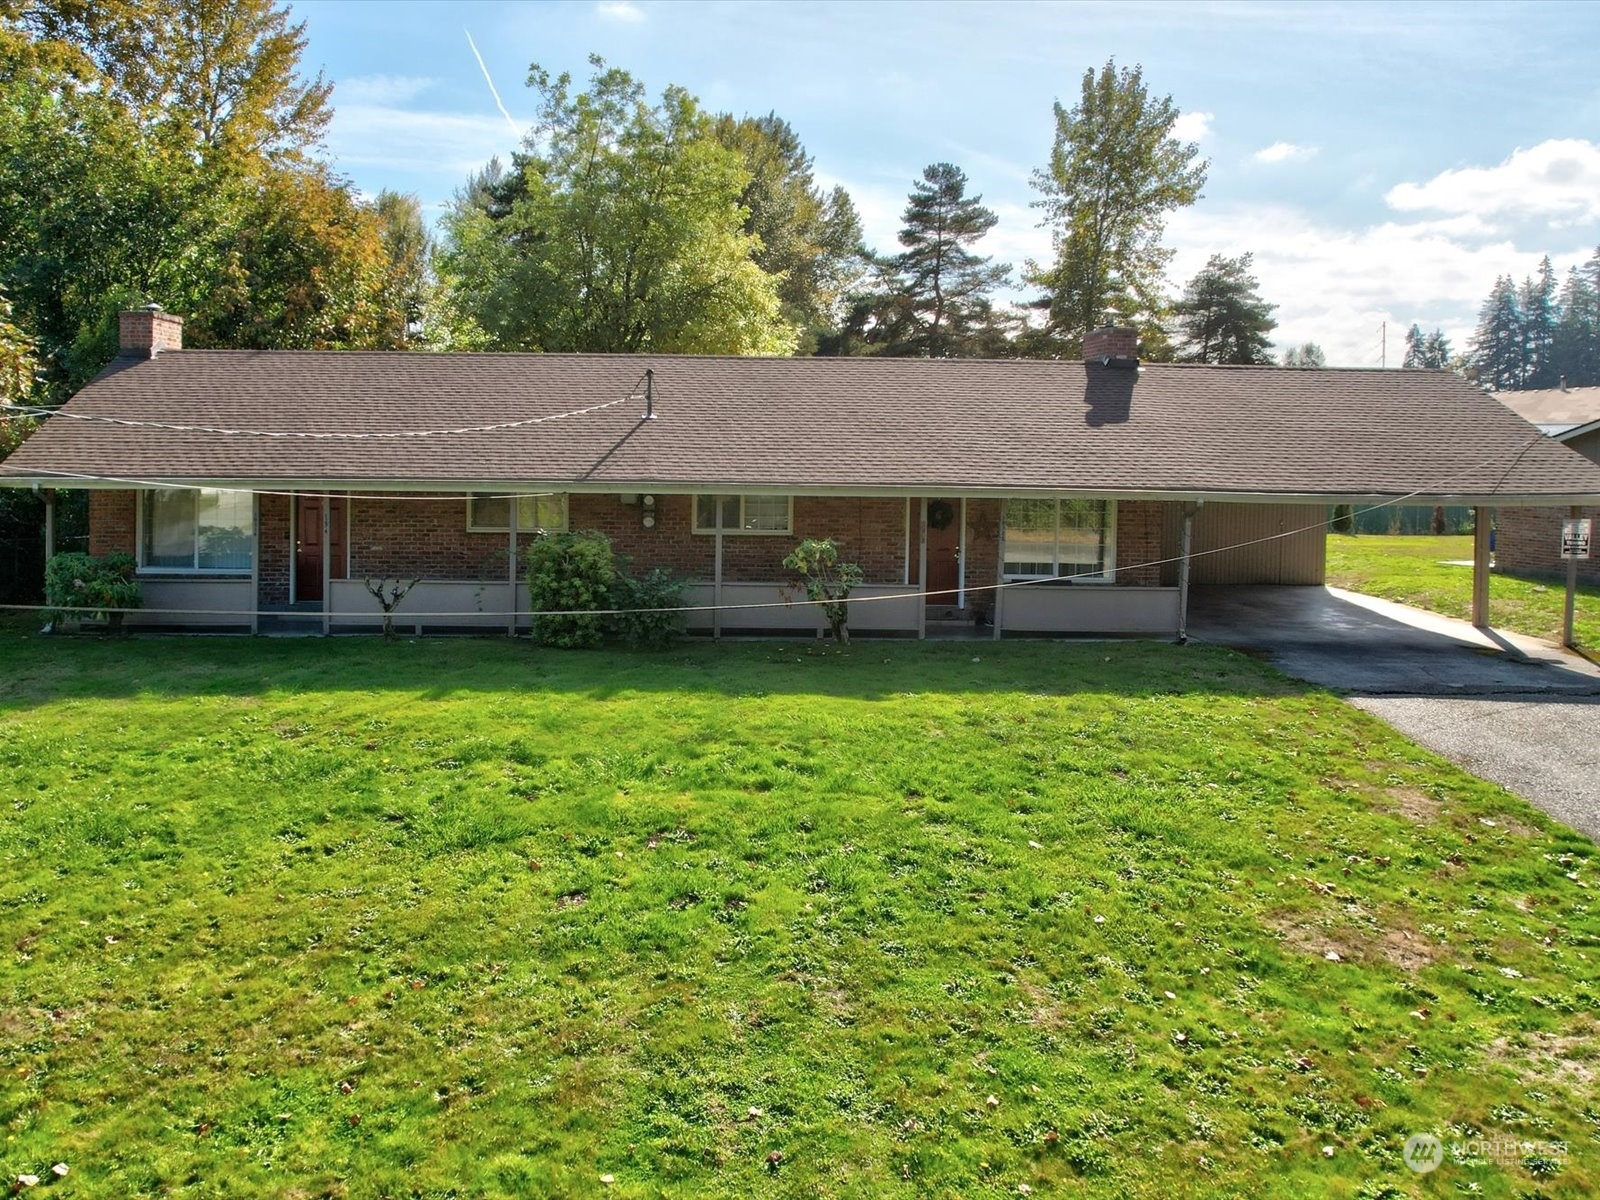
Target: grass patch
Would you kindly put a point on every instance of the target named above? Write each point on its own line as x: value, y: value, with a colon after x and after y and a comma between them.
x: 453, y: 918
x: 1414, y: 570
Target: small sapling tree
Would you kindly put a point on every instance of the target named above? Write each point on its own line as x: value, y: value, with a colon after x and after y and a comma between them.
x: 828, y: 581
x: 388, y: 594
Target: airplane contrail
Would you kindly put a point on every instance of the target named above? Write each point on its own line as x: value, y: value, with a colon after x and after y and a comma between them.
x: 493, y: 91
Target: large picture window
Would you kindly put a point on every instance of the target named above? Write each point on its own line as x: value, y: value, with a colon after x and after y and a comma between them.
x: 744, y: 514
x: 183, y: 529
x: 1061, y: 539
x: 492, y: 514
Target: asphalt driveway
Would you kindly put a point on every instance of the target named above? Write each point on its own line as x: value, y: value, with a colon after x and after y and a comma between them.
x: 1514, y: 710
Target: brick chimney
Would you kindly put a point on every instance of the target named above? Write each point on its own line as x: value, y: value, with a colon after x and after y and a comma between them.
x: 1112, y: 346
x: 146, y: 332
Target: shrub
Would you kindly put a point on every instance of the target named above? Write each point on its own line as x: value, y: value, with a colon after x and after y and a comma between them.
x: 647, y: 630
x: 827, y: 580
x: 81, y: 585
x: 570, y: 573
x: 1344, y: 518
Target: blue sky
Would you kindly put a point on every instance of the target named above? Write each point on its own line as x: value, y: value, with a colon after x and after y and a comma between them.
x: 1384, y: 162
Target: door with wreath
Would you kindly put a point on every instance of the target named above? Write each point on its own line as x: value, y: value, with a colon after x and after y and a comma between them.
x: 944, y: 551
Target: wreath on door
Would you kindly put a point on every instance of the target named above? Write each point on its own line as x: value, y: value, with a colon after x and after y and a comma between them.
x: 940, y: 514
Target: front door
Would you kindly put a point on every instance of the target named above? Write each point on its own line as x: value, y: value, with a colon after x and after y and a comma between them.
x: 308, y: 544
x: 944, y: 551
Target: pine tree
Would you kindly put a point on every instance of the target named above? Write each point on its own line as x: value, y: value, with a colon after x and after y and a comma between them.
x: 1576, y: 349
x: 1436, y: 351
x: 1537, y: 300
x: 1221, y: 318
x: 1498, y: 347
x: 944, y: 286
x: 1415, y: 343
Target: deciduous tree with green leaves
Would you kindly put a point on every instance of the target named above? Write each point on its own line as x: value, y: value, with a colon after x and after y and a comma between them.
x: 1307, y: 354
x: 1116, y: 171
x: 810, y: 241
x: 1221, y: 318
x: 618, y: 229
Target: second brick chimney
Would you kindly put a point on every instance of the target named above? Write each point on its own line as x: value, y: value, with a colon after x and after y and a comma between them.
x: 146, y: 332
x: 1112, y: 346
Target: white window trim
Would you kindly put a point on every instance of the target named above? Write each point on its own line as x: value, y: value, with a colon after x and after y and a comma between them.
x: 191, y: 572
x: 566, y: 519
x: 739, y: 530
x: 1108, y: 575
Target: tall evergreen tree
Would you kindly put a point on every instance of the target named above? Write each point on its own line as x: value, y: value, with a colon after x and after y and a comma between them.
x: 1221, y: 318
x: 943, y: 287
x: 1116, y: 170
x: 1416, y: 341
x: 1499, y: 349
x: 1426, y: 351
x: 1576, y: 348
x: 1537, y: 301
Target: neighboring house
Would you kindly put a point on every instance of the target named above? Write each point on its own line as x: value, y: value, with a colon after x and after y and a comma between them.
x: 1528, y: 540
x: 278, y: 481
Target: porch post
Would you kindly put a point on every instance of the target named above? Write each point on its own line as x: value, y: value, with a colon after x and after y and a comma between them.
x: 327, y: 564
x: 255, y: 565
x: 997, y: 608
x: 1480, y: 566
x: 922, y: 567
x: 511, y: 568
x: 1572, y: 591
x: 49, y: 524
x: 716, y: 579
x: 1183, y: 572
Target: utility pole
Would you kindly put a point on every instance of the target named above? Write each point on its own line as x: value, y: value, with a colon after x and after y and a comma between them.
x: 1383, y: 345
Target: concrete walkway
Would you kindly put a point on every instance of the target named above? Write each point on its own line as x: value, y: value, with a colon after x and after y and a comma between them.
x: 1508, y: 708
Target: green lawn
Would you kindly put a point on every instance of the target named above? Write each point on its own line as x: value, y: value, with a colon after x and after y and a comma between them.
x: 462, y: 918
x: 1413, y: 570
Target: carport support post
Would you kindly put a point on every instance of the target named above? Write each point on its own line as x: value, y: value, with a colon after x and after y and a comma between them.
x: 1572, y: 591
x: 49, y: 524
x: 1480, y: 566
x: 1183, y: 573
x: 995, y: 610
x: 511, y: 571
x: 716, y: 578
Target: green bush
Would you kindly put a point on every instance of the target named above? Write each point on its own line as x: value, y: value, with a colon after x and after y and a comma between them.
x: 827, y: 581
x: 80, y: 585
x: 571, y: 574
x: 647, y: 630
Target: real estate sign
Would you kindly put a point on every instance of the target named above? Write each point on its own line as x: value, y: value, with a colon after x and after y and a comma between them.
x: 1575, y: 537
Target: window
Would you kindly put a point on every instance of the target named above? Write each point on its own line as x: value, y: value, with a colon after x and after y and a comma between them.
x: 1059, y: 539
x: 492, y: 514
x: 182, y: 529
x: 744, y: 514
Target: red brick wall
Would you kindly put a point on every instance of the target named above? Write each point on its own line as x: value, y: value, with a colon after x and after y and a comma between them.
x: 983, y: 552
x: 417, y: 536
x: 1527, y: 541
x: 1139, y: 534
x: 113, y: 522
x: 274, y: 548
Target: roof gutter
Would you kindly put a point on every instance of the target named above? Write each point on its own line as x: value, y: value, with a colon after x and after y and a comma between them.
x: 896, y: 491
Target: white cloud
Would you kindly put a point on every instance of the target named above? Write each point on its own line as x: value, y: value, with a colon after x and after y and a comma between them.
x: 619, y: 10
x: 1337, y: 286
x: 426, y: 143
x: 1193, y: 126
x: 1558, y: 180
x: 382, y: 89
x: 1283, y: 152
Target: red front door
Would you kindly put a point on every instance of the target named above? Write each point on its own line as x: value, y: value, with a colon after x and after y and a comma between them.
x: 308, y: 544
x: 944, y: 551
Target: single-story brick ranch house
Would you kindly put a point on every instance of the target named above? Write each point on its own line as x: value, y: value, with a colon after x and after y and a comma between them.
x: 255, y: 484
x: 1528, y: 540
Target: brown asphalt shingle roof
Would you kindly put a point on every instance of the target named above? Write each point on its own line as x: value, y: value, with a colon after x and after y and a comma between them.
x: 1554, y: 406
x: 794, y: 424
